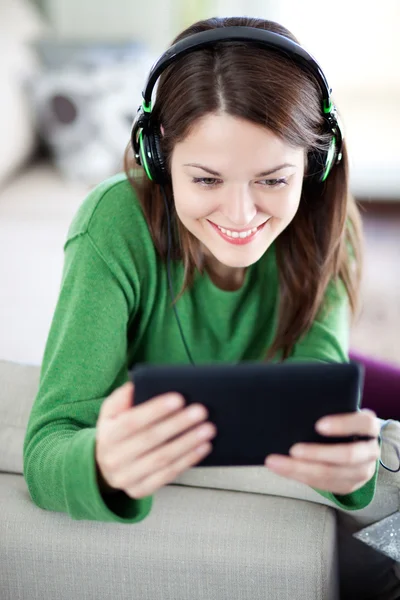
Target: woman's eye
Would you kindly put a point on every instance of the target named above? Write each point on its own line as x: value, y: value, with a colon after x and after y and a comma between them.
x: 273, y: 182
x: 206, y: 181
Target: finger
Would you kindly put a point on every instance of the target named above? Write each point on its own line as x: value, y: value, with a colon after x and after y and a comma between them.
x: 331, y: 478
x: 161, y: 458
x: 144, y: 415
x: 149, y: 485
x: 340, y: 454
x: 118, y: 402
x: 158, y: 434
x: 363, y: 422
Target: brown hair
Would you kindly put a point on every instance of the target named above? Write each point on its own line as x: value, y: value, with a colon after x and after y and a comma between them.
x: 323, y: 241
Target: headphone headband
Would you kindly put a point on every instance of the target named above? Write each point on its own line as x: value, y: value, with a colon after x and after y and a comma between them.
x: 259, y: 37
x: 145, y: 136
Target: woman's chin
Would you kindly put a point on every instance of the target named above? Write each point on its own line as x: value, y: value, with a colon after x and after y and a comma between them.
x: 237, y: 260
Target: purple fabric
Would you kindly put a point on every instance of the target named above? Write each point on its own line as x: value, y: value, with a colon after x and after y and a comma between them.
x: 381, y: 386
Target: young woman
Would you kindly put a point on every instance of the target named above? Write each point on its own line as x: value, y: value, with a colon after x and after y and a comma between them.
x: 245, y: 169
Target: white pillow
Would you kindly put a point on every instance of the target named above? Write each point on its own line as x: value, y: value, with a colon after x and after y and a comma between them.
x: 20, y: 24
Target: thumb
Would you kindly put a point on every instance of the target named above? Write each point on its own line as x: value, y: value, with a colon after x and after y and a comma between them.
x: 118, y: 402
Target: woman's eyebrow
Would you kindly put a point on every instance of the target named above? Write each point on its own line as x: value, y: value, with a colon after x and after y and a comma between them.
x: 262, y: 174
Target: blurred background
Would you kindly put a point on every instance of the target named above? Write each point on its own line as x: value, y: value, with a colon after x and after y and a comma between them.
x: 71, y: 75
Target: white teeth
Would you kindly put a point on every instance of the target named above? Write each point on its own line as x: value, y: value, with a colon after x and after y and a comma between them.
x: 236, y: 234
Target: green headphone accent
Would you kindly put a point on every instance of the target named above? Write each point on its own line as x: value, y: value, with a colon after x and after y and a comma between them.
x: 145, y: 136
x: 143, y: 158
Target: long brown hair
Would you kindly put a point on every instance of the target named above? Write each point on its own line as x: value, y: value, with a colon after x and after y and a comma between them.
x: 323, y: 241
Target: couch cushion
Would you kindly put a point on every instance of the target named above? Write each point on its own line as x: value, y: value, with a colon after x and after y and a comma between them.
x: 19, y: 24
x: 18, y: 387
x: 194, y: 544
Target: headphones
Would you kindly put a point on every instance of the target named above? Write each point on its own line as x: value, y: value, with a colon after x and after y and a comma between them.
x: 145, y: 136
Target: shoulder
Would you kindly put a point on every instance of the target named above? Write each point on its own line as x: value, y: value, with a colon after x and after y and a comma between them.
x: 111, y: 205
x: 112, y: 219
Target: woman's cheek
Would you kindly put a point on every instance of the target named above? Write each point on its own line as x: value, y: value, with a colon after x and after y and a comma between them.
x: 193, y: 206
x: 283, y: 207
x: 291, y: 203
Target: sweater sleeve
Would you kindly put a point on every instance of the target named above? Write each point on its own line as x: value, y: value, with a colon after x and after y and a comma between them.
x: 328, y: 341
x: 84, y: 361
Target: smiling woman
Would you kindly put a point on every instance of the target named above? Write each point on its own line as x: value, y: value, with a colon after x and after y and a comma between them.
x: 243, y: 203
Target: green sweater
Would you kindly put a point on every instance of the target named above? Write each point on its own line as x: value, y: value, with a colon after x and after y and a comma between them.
x: 114, y: 310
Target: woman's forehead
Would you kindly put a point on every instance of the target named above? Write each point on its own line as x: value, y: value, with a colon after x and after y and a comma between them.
x: 220, y: 141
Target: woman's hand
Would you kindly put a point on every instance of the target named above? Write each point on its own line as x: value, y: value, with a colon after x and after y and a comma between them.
x: 142, y: 448
x: 337, y: 468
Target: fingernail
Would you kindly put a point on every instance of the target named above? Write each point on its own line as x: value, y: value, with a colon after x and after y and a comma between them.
x: 174, y: 401
x: 273, y: 463
x: 324, y: 426
x: 297, y: 451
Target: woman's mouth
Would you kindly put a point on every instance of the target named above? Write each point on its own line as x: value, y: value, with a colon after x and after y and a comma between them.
x: 238, y: 237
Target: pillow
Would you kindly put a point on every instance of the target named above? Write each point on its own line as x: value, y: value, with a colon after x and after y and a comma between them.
x: 19, y: 25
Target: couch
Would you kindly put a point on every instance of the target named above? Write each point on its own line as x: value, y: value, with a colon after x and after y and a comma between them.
x: 223, y: 533
x: 214, y: 533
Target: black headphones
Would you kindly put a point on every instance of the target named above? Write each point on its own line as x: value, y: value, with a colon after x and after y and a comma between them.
x: 145, y: 135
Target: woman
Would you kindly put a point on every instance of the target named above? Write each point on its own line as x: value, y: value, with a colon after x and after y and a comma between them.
x: 245, y: 168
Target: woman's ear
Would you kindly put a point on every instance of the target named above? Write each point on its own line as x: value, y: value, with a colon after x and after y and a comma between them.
x: 162, y: 130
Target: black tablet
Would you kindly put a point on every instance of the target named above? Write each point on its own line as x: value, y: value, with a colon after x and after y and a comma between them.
x: 258, y: 408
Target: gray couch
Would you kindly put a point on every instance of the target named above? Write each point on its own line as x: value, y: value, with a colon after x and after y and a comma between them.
x: 220, y: 533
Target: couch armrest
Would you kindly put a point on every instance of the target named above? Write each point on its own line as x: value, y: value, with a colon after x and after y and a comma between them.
x: 196, y: 543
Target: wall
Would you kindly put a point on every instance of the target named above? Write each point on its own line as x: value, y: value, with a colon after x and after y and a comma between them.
x: 119, y: 19
x: 156, y: 22
x: 356, y: 41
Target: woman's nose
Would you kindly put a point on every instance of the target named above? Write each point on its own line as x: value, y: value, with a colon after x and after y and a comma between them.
x: 239, y: 208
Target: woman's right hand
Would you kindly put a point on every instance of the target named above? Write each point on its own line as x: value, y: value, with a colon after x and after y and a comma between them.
x: 141, y: 448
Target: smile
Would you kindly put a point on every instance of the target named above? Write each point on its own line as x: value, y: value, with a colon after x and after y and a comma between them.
x: 238, y: 237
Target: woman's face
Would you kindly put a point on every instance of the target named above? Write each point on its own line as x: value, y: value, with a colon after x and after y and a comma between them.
x: 236, y: 187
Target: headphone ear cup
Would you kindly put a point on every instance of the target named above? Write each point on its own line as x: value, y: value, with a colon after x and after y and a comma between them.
x: 146, y: 159
x: 137, y: 136
x: 158, y: 162
x: 151, y: 156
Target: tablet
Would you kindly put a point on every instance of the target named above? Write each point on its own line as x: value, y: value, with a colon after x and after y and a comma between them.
x: 257, y: 408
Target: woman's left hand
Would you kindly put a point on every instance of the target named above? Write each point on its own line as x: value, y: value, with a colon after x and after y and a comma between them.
x: 337, y: 468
